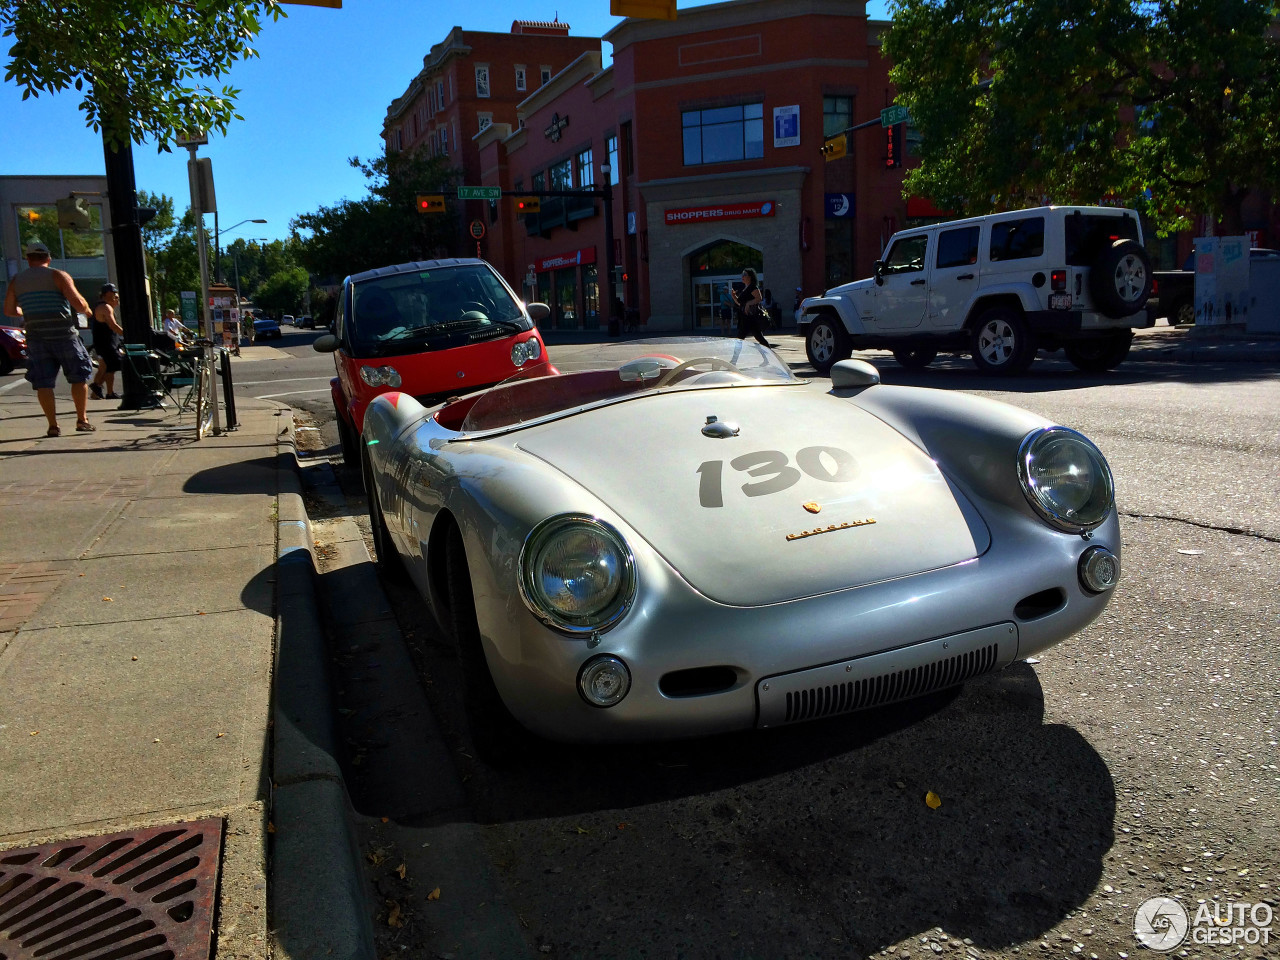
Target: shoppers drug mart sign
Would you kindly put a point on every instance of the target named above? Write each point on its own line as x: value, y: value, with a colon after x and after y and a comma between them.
x: 724, y: 211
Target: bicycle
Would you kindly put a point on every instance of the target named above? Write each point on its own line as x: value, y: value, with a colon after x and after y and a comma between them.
x: 204, y: 388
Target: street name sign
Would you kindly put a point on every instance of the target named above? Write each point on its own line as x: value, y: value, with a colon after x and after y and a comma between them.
x: 479, y: 193
x: 891, y: 115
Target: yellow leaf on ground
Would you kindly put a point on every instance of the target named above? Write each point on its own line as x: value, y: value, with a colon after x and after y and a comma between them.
x: 933, y: 800
x: 434, y: 894
x: 393, y: 915
x: 271, y: 827
x: 106, y: 600
x: 582, y: 829
x: 400, y: 871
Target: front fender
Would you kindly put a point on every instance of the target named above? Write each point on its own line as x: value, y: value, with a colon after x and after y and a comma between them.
x: 844, y: 310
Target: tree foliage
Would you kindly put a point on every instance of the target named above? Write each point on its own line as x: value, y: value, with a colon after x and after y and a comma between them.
x: 384, y: 227
x: 137, y: 64
x: 1170, y: 105
x: 282, y: 292
x: 173, y: 260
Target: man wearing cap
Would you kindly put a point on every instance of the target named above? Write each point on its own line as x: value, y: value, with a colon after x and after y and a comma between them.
x: 46, y: 301
x: 107, y: 337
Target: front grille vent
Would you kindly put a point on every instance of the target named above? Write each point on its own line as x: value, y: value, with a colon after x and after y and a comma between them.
x: 866, y: 692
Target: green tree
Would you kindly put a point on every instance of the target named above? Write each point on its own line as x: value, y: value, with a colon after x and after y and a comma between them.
x: 384, y: 227
x: 175, y: 266
x: 1170, y: 105
x: 135, y: 64
x: 156, y: 234
x: 282, y: 292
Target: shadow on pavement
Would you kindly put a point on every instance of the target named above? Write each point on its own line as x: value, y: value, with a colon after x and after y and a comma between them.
x: 244, y: 476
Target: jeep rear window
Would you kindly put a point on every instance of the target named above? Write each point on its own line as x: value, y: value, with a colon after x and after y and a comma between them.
x: 1089, y: 234
x: 1017, y: 239
x: 958, y: 248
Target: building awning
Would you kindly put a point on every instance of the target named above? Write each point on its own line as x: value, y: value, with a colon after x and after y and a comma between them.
x: 923, y: 207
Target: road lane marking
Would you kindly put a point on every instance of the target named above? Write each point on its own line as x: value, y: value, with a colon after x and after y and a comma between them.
x: 259, y: 383
x: 291, y: 393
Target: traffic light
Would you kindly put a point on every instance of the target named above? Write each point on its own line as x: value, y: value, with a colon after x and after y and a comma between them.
x: 431, y: 203
x: 73, y: 214
x: 835, y: 148
x: 528, y: 204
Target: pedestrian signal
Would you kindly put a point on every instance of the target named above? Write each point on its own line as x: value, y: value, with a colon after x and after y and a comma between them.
x: 528, y: 204
x: 433, y: 203
x: 834, y: 148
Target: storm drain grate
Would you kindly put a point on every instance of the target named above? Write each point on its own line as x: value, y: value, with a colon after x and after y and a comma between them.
x: 137, y: 895
x: 875, y: 691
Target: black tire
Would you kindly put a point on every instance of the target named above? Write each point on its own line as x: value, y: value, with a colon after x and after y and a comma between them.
x: 1182, y: 312
x: 1095, y: 356
x: 1120, y: 279
x: 826, y: 343
x: 1001, y: 343
x: 385, y: 556
x: 350, y: 444
x: 915, y: 358
x: 497, y: 737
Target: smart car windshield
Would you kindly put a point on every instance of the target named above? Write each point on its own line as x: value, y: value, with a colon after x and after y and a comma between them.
x: 418, y: 310
x: 613, y: 372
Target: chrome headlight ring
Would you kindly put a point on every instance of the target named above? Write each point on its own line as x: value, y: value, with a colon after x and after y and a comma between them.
x: 1066, y: 479
x: 577, y: 574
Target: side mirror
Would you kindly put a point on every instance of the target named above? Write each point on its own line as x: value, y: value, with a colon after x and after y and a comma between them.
x: 879, y: 271
x: 538, y: 311
x: 326, y: 343
x: 852, y: 374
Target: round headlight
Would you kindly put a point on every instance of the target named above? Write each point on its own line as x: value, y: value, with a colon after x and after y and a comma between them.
x: 371, y: 375
x: 391, y: 377
x: 604, y: 681
x: 577, y: 574
x: 525, y: 350
x: 1066, y: 479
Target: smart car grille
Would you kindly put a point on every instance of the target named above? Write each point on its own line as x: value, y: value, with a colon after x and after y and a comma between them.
x: 873, y: 691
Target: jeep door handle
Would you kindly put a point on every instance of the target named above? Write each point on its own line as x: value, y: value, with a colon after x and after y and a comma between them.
x: 964, y: 276
x: 917, y: 283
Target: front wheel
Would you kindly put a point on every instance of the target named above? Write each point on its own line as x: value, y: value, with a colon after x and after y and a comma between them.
x: 826, y: 343
x: 1182, y: 313
x: 1001, y: 342
x: 915, y: 358
x: 1095, y: 356
x: 385, y: 557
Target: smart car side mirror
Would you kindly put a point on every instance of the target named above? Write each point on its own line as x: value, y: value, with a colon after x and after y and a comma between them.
x: 851, y: 374
x: 326, y: 343
x: 879, y: 271
x: 538, y: 311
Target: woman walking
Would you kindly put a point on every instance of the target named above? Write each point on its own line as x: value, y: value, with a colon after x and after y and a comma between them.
x: 749, y: 309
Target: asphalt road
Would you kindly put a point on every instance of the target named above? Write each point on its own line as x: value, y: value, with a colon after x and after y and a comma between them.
x: 1136, y: 760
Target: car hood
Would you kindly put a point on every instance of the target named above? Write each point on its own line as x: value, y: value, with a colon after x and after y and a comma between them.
x: 736, y: 516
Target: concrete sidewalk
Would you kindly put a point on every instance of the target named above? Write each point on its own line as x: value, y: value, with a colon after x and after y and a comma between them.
x: 150, y: 586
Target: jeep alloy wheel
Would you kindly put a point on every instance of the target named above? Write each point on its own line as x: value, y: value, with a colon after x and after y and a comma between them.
x: 826, y: 343
x: 1001, y: 342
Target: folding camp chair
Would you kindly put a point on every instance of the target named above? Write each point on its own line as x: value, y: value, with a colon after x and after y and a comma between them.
x: 178, y: 372
x: 145, y: 364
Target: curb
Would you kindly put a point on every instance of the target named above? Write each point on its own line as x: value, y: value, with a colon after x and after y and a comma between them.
x: 319, y: 904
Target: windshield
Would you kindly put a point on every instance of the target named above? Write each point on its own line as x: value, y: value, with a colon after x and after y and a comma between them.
x: 607, y: 373
x: 431, y: 309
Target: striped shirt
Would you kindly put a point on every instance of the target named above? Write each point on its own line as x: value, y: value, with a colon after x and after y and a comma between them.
x: 46, y: 314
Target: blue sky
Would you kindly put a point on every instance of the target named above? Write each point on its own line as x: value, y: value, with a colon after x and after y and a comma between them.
x: 316, y: 96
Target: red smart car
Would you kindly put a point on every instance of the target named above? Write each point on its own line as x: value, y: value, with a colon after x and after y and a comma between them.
x: 433, y: 329
x: 13, y: 349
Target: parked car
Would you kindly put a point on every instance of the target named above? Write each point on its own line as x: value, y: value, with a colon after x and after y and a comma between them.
x: 1173, y: 292
x: 13, y: 349
x: 680, y: 538
x: 1002, y: 287
x: 305, y: 322
x: 288, y: 318
x: 431, y: 330
x: 265, y: 327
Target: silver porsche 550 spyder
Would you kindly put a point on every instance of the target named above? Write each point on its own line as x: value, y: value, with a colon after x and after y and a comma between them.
x: 681, y: 538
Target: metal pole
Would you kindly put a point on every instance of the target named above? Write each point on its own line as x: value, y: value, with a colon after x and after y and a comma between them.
x: 217, y: 250
x: 202, y: 245
x: 606, y: 191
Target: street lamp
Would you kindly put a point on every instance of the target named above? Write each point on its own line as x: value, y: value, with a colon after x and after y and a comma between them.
x: 217, y: 243
x: 606, y: 191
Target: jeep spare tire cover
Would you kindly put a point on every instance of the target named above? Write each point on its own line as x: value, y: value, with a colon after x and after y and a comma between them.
x: 1120, y: 279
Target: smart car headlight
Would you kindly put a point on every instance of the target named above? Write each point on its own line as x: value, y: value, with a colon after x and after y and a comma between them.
x: 380, y: 376
x: 1066, y: 479
x: 525, y: 350
x: 577, y: 574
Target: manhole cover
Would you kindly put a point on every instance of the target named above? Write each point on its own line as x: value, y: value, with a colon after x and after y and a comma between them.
x: 137, y: 895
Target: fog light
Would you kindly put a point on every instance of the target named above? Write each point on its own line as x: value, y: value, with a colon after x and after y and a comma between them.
x: 604, y: 681
x: 1099, y: 569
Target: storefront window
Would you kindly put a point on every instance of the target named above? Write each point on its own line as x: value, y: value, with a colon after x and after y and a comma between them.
x: 590, y: 297
x: 567, y: 298
x: 561, y: 176
x: 611, y: 151
x: 544, y: 296
x: 41, y: 223
x: 723, y: 134
x: 586, y: 178
x: 725, y: 257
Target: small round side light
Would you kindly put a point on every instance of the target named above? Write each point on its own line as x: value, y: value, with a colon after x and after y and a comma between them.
x: 604, y: 680
x: 1099, y: 570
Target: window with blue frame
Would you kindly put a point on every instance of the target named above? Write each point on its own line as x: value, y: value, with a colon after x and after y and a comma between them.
x: 723, y: 134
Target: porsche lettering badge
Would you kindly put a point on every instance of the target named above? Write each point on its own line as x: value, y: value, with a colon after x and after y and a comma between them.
x: 835, y: 526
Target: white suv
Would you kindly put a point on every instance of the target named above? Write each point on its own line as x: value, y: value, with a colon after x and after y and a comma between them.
x: 1002, y: 287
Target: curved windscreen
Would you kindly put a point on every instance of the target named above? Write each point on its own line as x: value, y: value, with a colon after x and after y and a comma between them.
x: 431, y: 309
x: 609, y: 373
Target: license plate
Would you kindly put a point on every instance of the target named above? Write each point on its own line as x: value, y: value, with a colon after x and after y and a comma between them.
x: 1059, y: 301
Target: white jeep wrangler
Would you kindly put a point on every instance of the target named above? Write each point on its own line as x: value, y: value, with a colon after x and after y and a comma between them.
x: 1001, y: 286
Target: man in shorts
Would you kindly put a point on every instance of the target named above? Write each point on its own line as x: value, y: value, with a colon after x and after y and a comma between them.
x: 46, y: 301
x: 107, y: 337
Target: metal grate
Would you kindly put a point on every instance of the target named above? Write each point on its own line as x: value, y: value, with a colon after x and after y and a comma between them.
x: 139, y: 895
x: 865, y: 692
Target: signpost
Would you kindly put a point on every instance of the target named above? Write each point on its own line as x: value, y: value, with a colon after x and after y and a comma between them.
x: 479, y: 193
x: 894, y: 114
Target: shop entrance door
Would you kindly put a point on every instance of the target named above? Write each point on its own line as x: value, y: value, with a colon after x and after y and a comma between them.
x: 706, y: 301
